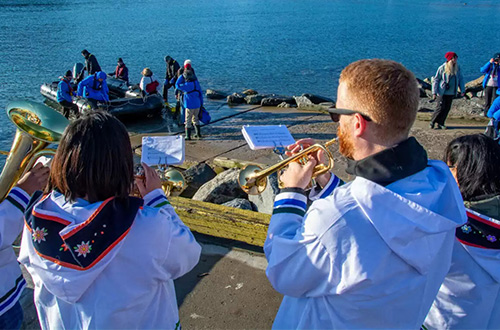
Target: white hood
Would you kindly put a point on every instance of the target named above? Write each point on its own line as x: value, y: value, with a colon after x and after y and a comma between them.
x: 409, y: 216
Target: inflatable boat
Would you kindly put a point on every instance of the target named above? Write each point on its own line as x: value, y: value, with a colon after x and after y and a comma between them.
x: 123, y: 102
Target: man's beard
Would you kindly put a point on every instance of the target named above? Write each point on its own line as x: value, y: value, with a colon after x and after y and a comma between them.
x: 346, y: 147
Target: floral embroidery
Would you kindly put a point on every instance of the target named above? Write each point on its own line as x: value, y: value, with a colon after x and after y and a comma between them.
x: 83, y: 249
x: 466, y: 229
x: 39, y: 234
x: 491, y: 238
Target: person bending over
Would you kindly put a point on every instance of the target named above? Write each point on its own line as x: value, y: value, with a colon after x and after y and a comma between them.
x: 95, y: 89
x: 65, y: 95
x: 99, y: 258
x: 12, y: 209
x: 469, y: 297
x: 371, y: 253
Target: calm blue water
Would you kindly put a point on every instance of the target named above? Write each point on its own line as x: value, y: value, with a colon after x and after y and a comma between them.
x: 280, y: 46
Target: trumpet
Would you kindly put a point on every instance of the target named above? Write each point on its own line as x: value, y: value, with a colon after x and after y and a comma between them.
x: 253, y: 179
x: 173, y: 182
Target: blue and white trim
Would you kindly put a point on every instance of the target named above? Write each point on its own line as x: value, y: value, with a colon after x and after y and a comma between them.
x: 11, y: 297
x: 317, y: 193
x: 291, y: 202
x: 156, y: 198
x: 19, y: 198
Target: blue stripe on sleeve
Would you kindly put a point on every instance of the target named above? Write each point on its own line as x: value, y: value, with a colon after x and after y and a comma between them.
x: 295, y: 202
x: 155, y: 199
x: 335, y: 182
x: 20, y: 195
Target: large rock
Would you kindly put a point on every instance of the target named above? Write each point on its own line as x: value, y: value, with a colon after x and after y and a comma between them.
x: 235, y: 99
x: 223, y: 188
x: 250, y: 92
x: 215, y: 95
x: 254, y: 99
x: 274, y: 100
x: 196, y: 176
x: 316, y: 99
x: 264, y: 202
x: 460, y: 106
x: 303, y: 102
x: 286, y: 105
x: 475, y: 85
x: 424, y: 87
x: 240, y: 203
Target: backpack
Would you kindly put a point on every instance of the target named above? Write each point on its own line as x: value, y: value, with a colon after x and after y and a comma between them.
x: 151, y: 87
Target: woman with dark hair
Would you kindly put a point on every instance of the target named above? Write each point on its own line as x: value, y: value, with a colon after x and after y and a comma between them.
x: 469, y: 297
x: 98, y: 257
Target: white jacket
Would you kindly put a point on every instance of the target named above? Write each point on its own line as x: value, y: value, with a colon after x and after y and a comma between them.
x: 365, y: 256
x: 129, y: 286
x: 469, y: 297
x: 12, y: 282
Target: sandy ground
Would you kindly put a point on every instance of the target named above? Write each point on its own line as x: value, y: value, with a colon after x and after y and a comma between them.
x: 228, y: 289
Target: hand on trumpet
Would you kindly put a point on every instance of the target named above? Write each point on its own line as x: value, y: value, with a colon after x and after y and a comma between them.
x: 148, y: 182
x: 298, y: 175
x: 35, y: 179
x: 318, y: 156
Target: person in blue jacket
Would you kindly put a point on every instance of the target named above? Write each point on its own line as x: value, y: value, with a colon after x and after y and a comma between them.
x: 64, y: 95
x: 192, y: 98
x: 490, y: 82
x: 94, y: 88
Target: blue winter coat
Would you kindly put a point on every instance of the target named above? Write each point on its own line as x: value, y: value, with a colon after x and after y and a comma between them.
x: 494, y: 111
x: 193, y: 97
x: 64, y: 91
x: 486, y: 69
x: 91, y: 88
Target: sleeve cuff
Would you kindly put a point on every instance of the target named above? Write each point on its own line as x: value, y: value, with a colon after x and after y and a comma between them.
x: 156, y: 198
x: 291, y: 200
x: 19, y: 198
x: 317, y: 192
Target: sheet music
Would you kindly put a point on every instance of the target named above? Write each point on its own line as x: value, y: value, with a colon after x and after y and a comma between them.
x: 267, y: 136
x: 163, y: 150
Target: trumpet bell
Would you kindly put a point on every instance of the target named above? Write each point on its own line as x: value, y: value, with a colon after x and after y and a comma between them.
x: 173, y: 182
x: 248, y: 181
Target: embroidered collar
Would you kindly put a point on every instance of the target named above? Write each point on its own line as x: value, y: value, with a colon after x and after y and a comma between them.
x: 479, y: 231
x: 392, y: 164
x: 82, y: 246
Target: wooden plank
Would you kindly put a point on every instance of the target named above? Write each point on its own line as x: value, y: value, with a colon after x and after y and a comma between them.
x: 222, y: 221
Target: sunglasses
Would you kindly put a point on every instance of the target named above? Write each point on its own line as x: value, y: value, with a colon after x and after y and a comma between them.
x: 335, y: 114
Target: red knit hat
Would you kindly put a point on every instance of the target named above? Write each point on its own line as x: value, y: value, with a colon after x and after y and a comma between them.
x: 450, y: 55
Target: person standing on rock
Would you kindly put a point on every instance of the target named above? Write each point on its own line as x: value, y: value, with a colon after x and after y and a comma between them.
x: 445, y: 86
x: 372, y: 253
x: 192, y: 98
x: 490, y: 82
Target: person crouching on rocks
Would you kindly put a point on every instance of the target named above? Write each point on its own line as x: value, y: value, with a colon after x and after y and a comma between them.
x: 192, y: 98
x: 95, y: 89
x: 445, y: 87
x: 149, y: 84
x: 64, y: 95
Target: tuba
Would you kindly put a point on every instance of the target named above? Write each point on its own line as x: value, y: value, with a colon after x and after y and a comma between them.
x: 37, y: 127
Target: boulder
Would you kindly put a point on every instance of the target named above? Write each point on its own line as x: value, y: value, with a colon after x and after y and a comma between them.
x: 221, y: 189
x: 254, y: 99
x: 235, y: 99
x: 475, y: 85
x: 250, y: 92
x: 215, y: 95
x: 286, y: 105
x: 316, y: 99
x: 460, y: 106
x: 423, y: 84
x: 264, y: 202
x: 303, y: 102
x: 196, y: 176
x: 240, y: 203
x: 428, y: 80
x: 274, y: 100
